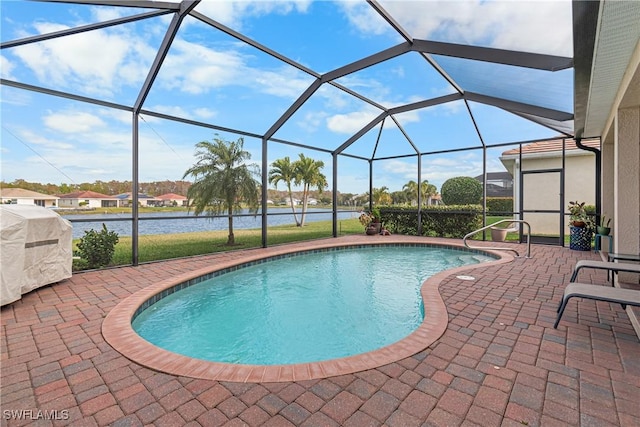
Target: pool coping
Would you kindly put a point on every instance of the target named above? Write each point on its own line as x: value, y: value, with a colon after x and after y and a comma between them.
x: 119, y: 333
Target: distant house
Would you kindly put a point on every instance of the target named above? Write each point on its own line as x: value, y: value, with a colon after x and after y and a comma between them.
x: 19, y: 196
x: 87, y: 200
x: 172, y: 199
x: 499, y: 184
x: 434, y: 200
x: 125, y: 199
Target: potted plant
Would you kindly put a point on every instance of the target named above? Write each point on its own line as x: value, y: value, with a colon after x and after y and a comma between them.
x: 376, y: 220
x: 581, y: 227
x: 367, y: 220
x: 577, y: 214
x: 371, y: 221
x: 603, y: 229
x: 499, y: 232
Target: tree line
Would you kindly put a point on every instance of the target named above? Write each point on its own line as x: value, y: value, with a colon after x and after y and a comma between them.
x: 112, y: 187
x: 155, y: 188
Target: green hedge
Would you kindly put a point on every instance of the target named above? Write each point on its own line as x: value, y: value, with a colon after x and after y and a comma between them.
x: 437, y: 221
x: 499, y: 204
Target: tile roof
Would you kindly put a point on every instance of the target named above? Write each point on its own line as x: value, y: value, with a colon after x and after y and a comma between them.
x: 85, y: 195
x: 171, y: 196
x: 550, y: 146
x: 24, y: 194
x: 130, y: 196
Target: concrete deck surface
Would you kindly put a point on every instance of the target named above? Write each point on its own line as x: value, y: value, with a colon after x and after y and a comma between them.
x: 499, y: 362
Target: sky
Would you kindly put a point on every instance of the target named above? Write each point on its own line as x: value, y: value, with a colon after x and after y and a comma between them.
x: 211, y: 77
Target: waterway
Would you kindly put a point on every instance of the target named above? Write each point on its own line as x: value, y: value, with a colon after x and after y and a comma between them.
x: 184, y: 222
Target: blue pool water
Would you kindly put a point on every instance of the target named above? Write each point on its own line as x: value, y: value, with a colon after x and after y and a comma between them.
x: 299, y: 309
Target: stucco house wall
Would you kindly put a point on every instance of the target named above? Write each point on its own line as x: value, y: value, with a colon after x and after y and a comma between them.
x: 621, y: 174
x: 20, y: 196
x: 86, y: 200
x: 170, y: 199
x: 542, y: 191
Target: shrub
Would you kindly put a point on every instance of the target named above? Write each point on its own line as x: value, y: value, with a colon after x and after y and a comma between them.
x: 499, y: 204
x: 97, y: 247
x: 461, y: 190
x: 437, y: 221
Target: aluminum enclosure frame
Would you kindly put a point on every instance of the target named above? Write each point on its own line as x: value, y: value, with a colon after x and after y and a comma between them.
x: 547, y: 117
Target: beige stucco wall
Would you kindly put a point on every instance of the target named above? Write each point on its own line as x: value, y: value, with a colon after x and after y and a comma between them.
x: 607, y: 177
x: 621, y: 167
x: 48, y: 203
x: 542, y: 191
x: 75, y: 203
x: 627, y: 180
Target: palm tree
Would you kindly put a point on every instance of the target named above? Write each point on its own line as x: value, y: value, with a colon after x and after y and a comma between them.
x: 399, y: 198
x: 222, y: 181
x: 283, y: 170
x: 426, y: 190
x: 381, y: 196
x: 307, y: 173
x: 411, y: 188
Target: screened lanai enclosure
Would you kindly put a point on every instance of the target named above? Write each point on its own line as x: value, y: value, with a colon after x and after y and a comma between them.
x: 383, y: 93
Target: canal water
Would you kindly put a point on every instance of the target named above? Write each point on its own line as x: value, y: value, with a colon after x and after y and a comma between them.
x: 184, y: 222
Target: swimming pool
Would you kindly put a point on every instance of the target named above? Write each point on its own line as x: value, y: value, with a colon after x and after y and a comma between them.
x: 117, y: 326
x: 303, y: 308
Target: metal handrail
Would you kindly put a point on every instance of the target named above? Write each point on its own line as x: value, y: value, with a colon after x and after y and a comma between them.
x: 464, y: 239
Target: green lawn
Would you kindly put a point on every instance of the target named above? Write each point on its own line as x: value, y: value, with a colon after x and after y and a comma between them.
x: 168, y: 246
x: 180, y: 245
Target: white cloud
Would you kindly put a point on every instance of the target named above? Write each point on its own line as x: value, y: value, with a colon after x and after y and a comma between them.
x: 42, y: 142
x: 73, y: 122
x: 233, y: 13
x: 406, y: 118
x: 102, y: 14
x: 89, y: 60
x: 537, y: 26
x: 364, y: 18
x: 438, y: 169
x: 403, y: 168
x: 171, y: 110
x: 351, y: 122
x: 286, y: 83
x: 98, y: 155
x: 6, y: 68
x: 197, y: 69
x: 205, y: 113
x: 312, y: 121
x: 15, y: 97
x: 398, y: 71
x: 121, y: 116
x: 102, y: 63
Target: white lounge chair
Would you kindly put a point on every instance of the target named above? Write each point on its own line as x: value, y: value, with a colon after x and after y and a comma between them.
x: 599, y: 293
x: 613, y: 267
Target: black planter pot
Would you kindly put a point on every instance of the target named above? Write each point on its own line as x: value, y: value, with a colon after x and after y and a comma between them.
x: 580, y: 238
x: 370, y: 231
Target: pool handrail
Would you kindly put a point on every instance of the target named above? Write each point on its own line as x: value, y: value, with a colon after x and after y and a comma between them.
x: 464, y: 239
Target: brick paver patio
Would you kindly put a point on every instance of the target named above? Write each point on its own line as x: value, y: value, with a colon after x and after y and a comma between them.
x: 499, y: 363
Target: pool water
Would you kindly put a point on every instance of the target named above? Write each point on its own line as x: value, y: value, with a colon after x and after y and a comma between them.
x: 300, y: 309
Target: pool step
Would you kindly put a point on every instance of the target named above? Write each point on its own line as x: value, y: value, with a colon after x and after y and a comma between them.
x: 474, y: 258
